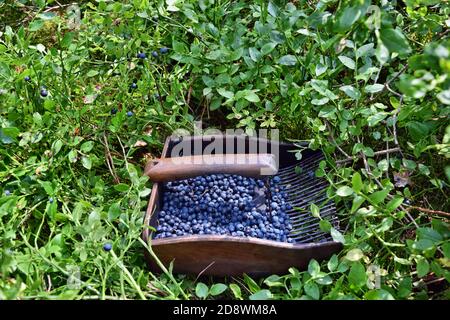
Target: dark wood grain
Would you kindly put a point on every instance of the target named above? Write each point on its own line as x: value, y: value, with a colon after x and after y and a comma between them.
x: 225, y: 255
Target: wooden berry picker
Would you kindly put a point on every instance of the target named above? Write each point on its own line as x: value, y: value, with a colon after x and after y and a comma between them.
x: 238, y: 211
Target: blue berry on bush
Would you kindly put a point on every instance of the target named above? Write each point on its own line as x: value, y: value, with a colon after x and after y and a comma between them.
x: 129, y: 113
x: 107, y: 246
x: 50, y: 200
x: 163, y: 50
x: 154, y: 54
x: 44, y: 93
x: 113, y: 110
x: 7, y: 192
x: 27, y: 78
x: 141, y: 55
x: 133, y: 85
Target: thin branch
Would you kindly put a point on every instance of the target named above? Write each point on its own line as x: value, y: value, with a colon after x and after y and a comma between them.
x: 123, y: 151
x: 378, y: 153
x: 109, y: 161
x: 436, y: 212
x: 334, y: 141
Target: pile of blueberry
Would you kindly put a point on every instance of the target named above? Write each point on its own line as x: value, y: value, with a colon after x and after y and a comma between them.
x: 222, y: 204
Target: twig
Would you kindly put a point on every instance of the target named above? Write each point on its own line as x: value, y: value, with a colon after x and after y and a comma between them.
x: 397, y: 111
x: 378, y: 153
x: 124, y: 153
x: 434, y: 281
x: 49, y: 283
x: 387, y: 159
x: 59, y: 6
x: 436, y: 212
x: 201, y: 272
x: 335, y: 143
x: 109, y: 161
x: 396, y: 76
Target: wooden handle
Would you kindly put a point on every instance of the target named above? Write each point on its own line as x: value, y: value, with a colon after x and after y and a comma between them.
x: 177, y: 168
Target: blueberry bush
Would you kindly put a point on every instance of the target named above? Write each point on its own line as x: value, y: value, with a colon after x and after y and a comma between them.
x: 89, y: 91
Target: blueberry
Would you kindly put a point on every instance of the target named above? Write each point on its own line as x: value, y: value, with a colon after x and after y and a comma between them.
x: 44, y: 93
x: 154, y: 54
x: 141, y: 55
x: 163, y: 50
x: 50, y: 200
x: 133, y: 85
x: 27, y: 78
x: 113, y: 110
x: 107, y: 247
x: 129, y: 113
x: 7, y: 192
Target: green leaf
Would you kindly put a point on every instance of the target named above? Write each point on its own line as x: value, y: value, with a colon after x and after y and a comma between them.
x: 373, y: 88
x: 312, y: 290
x: 252, y: 285
x: 274, y: 281
x: 430, y: 234
x: 56, y: 147
x: 35, y: 25
x: 320, y: 102
x: 288, y: 60
x: 86, y: 161
x: 215, y: 104
x: 8, y: 135
x: 354, y: 254
x: 67, y: 39
x: 121, y: 187
x: 357, y: 202
x: 444, y: 97
x: 344, y: 191
x: 268, y: 48
x: 348, y: 62
x: 250, y: 96
x: 378, y: 294
x: 404, y: 287
x: 92, y: 73
x: 333, y: 263
x: 376, y: 118
x: 261, y: 295
x: 357, y: 183
x: 217, y: 288
x: 394, y: 203
x: 357, y: 275
x: 225, y: 93
x: 87, y: 146
x: 114, y: 211
x: 255, y: 55
x: 351, y: 91
x: 315, y: 211
x: 446, y: 249
x: 272, y: 9
x: 347, y: 16
x: 201, y: 290
x: 337, y: 236
x: 379, y: 196
x: 236, y: 290
x: 395, y: 41
x: 313, y: 267
x: 324, y: 279
x: 423, y: 244
x: 422, y: 268
x: 325, y: 225
x: 365, y: 50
